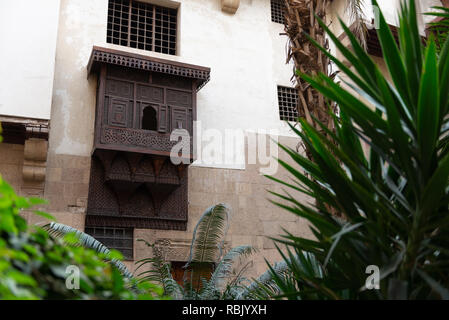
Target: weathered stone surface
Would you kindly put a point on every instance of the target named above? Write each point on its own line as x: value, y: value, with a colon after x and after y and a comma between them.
x: 254, y: 219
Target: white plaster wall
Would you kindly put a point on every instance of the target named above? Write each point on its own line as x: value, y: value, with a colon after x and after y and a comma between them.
x: 244, y: 51
x: 426, y: 6
x: 390, y: 9
x: 28, y: 31
x: 339, y: 9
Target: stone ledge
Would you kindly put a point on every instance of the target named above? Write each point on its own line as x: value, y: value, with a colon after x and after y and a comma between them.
x: 230, y: 6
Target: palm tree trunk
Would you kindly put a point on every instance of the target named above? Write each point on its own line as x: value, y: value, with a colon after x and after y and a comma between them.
x: 299, y: 21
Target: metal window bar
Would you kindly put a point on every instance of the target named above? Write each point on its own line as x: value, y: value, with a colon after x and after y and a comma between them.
x: 288, y: 102
x: 278, y: 11
x: 120, y: 239
x: 142, y: 25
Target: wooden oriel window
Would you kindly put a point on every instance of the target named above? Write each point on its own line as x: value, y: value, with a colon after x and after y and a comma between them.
x: 142, y: 25
x: 278, y: 11
x: 140, y: 101
x: 288, y: 101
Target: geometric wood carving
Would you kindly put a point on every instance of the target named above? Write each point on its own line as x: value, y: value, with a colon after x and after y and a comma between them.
x: 150, y: 94
x: 101, y: 56
x: 137, y: 191
x: 179, y: 119
x: 163, y: 119
x: 179, y: 98
x: 140, y: 102
x: 123, y: 100
x: 118, y: 112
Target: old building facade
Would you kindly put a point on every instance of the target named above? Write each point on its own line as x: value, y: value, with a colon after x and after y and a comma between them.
x: 90, y: 98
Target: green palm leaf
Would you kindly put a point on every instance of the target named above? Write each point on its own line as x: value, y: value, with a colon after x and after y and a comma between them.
x: 58, y: 230
x: 209, y: 235
x: 223, y: 270
x: 393, y: 197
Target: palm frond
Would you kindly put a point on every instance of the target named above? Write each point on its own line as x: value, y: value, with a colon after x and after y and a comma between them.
x: 58, y: 230
x: 224, y: 267
x: 206, y: 250
x: 440, y: 26
x: 223, y: 270
x: 209, y: 235
x: 356, y: 9
x: 279, y: 279
x: 264, y: 286
x: 394, y: 198
x: 158, y: 271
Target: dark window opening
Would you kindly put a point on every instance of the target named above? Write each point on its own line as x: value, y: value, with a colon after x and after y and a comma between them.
x: 142, y: 25
x: 149, y: 119
x: 18, y: 133
x: 204, y: 271
x: 288, y: 103
x: 278, y: 11
x: 120, y: 239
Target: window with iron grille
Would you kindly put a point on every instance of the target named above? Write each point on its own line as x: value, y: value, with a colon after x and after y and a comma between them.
x: 120, y: 239
x: 142, y: 25
x: 288, y: 101
x: 277, y: 11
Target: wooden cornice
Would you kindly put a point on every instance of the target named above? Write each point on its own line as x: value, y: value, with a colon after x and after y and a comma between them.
x: 136, y: 61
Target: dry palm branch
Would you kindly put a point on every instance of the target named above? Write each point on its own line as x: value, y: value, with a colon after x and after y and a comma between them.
x: 301, y: 24
x: 303, y: 28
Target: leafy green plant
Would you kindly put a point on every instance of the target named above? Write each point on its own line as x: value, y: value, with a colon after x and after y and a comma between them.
x: 33, y: 264
x: 58, y: 230
x: 385, y: 168
x: 279, y: 277
x: 206, y: 249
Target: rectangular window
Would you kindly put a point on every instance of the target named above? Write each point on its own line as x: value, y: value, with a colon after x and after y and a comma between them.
x: 288, y: 102
x: 142, y: 26
x: 120, y: 239
x: 277, y: 11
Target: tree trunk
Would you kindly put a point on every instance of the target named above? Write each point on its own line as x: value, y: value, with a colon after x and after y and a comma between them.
x: 299, y: 21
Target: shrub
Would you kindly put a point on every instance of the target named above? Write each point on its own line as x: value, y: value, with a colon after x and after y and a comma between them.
x: 394, y: 199
x: 33, y: 264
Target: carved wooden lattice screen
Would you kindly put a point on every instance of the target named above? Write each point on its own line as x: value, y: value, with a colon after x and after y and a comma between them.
x: 142, y: 25
x: 133, y: 182
x: 140, y: 101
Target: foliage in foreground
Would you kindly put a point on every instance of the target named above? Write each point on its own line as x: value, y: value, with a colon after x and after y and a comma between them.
x: 393, y: 196
x: 33, y: 264
x: 58, y: 230
x: 440, y: 28
x: 199, y: 283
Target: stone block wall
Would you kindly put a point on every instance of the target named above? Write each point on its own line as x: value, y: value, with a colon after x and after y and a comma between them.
x: 253, y: 219
x: 11, y: 164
